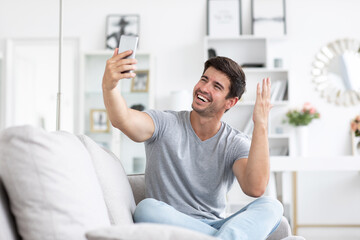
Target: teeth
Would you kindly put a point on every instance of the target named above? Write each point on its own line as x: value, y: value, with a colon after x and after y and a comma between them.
x: 202, y: 98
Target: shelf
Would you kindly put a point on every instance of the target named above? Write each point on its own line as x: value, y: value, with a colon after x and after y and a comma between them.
x: 247, y: 37
x: 251, y: 49
x: 242, y: 49
x: 264, y: 70
x: 93, y: 65
x: 238, y: 38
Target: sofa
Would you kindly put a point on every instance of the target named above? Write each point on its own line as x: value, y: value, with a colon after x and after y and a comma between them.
x: 57, y: 185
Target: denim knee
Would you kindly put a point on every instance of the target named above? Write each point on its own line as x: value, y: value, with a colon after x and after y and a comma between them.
x: 272, y: 204
x: 146, y: 210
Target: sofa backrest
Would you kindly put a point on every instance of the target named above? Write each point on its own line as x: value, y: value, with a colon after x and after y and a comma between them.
x: 137, y: 183
x: 7, y: 221
x: 59, y: 185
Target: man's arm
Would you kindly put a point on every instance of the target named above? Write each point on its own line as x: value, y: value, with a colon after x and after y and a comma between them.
x: 253, y: 172
x: 137, y: 125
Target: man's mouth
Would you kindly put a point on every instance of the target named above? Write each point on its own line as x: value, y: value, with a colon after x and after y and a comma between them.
x: 202, y: 98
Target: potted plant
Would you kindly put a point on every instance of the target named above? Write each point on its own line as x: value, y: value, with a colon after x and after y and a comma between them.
x: 304, y: 116
x: 355, y: 135
x: 301, y: 119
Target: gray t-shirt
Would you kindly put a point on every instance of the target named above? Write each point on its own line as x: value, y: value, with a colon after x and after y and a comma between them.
x: 191, y: 175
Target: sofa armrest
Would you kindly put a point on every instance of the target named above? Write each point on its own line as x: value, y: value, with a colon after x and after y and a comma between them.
x: 146, y: 231
x: 137, y: 183
x: 282, y: 231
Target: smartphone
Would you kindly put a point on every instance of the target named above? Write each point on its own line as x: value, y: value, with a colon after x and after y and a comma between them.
x: 128, y: 43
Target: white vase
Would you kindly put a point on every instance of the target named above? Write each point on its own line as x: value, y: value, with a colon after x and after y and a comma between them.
x: 302, y: 137
x: 355, y: 144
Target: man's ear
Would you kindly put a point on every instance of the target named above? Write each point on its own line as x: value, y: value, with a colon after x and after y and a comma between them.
x: 231, y: 102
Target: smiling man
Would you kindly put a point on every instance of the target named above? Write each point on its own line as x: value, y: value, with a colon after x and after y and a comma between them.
x: 193, y: 157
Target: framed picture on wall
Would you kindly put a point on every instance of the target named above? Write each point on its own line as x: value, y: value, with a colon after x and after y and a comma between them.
x: 99, y: 121
x: 224, y: 18
x: 117, y: 25
x: 268, y: 17
x: 140, y: 83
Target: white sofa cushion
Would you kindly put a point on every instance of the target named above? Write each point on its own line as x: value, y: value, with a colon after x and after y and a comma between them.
x: 146, y: 231
x: 115, y: 185
x: 51, y: 183
x: 7, y: 225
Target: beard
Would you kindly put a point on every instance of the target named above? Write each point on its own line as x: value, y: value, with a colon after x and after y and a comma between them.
x: 204, y: 111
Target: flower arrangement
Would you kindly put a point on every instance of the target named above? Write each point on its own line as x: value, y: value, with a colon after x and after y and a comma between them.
x: 304, y: 116
x: 355, y: 126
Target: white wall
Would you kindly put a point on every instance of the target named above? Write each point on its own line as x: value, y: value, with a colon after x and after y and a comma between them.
x: 173, y: 31
x: 311, y: 24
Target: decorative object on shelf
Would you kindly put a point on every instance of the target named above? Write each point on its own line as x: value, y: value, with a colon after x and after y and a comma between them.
x: 304, y: 116
x: 211, y: 53
x: 252, y: 65
x: 117, y: 25
x: 336, y: 72
x: 99, y: 121
x: 268, y: 17
x: 140, y: 83
x: 302, y: 138
x: 224, y: 18
x: 279, y: 90
x: 355, y: 135
x: 301, y: 119
x: 138, y: 107
x: 355, y: 126
x: 278, y: 63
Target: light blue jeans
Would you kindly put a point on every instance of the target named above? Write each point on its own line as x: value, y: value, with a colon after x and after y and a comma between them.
x: 255, y: 221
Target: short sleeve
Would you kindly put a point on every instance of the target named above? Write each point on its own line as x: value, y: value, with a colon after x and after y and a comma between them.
x: 240, y: 147
x: 161, y: 120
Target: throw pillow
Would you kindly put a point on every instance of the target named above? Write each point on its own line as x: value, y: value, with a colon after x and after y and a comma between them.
x: 113, y: 181
x: 51, y: 183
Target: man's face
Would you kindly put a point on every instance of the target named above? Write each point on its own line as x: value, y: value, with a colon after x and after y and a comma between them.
x: 209, y: 94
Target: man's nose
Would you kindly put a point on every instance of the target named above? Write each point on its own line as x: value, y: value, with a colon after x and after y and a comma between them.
x: 205, y: 87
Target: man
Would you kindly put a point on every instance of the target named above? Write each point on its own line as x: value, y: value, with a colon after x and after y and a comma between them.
x: 194, y: 157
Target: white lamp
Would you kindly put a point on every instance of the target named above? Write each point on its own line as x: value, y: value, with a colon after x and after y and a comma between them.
x: 180, y: 100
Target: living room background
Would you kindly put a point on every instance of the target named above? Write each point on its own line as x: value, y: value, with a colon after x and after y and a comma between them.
x: 174, y: 31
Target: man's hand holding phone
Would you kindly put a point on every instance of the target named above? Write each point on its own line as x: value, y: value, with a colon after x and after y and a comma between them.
x: 118, y: 67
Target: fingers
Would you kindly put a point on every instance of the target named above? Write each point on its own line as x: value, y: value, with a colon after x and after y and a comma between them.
x: 124, y: 68
x: 128, y: 75
x: 115, y: 52
x: 258, y: 90
x: 265, y: 90
x: 128, y: 61
x: 123, y: 54
x: 117, y: 64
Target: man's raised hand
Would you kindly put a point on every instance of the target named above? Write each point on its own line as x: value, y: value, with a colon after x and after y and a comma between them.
x: 262, y: 104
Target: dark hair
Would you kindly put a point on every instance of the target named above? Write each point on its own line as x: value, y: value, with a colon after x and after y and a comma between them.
x: 232, y: 70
